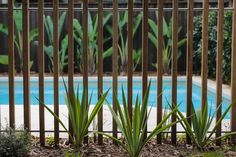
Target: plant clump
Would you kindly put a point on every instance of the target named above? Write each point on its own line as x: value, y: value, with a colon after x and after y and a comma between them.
x: 13, y: 143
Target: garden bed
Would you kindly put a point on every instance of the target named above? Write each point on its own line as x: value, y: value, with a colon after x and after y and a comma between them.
x: 108, y: 149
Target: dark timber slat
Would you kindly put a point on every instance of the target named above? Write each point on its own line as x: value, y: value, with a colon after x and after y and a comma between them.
x: 174, y: 69
x: 159, y: 65
x: 70, y: 54
x: 26, y: 64
x: 205, y: 51
x: 220, y: 39
x: 56, y: 69
x: 130, y: 56
x: 233, y: 76
x: 100, y: 67
x: 145, y: 48
x: 115, y: 62
x: 85, y: 49
x: 11, y: 66
x: 41, y: 71
x: 189, y: 63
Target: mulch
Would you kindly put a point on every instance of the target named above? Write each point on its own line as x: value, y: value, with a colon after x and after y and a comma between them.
x: 108, y: 149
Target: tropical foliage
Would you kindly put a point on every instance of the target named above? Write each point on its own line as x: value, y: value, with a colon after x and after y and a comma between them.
x: 212, y: 52
x: 123, y: 40
x: 18, y: 37
x: 167, y: 43
x: 63, y: 55
x: 92, y: 41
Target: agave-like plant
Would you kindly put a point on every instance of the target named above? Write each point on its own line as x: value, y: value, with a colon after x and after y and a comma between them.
x: 79, y: 116
x: 134, y: 129
x: 201, y: 123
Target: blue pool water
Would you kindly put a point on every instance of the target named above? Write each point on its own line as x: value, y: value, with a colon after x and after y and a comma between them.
x: 107, y: 83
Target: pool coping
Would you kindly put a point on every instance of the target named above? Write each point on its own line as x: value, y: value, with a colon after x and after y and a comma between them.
x: 226, y: 89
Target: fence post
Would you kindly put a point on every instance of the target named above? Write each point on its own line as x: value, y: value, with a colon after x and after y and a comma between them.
x: 11, y: 65
x: 100, y: 67
x: 85, y: 51
x: 159, y: 66
x: 130, y: 56
x: 56, y: 69
x: 204, y: 51
x: 26, y: 64
x: 189, y: 63
x: 233, y: 76
x: 145, y: 50
x: 115, y: 63
x: 70, y: 57
x: 41, y: 70
x: 174, y: 69
x: 220, y: 39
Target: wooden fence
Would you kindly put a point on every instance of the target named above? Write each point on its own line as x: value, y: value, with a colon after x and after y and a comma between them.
x: 115, y: 9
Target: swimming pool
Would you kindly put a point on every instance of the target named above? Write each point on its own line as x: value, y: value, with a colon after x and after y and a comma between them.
x: 107, y: 83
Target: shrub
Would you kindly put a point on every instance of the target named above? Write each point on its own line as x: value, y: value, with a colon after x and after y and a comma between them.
x: 212, y: 52
x: 14, y: 144
x: 50, y: 141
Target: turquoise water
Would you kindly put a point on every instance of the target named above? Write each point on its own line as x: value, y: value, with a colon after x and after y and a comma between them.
x: 107, y: 83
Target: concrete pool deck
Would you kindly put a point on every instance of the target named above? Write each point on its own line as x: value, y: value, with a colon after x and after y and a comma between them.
x: 49, y: 120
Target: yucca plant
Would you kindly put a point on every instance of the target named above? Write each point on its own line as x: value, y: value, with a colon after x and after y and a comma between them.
x: 133, y: 129
x: 79, y: 116
x: 201, y: 123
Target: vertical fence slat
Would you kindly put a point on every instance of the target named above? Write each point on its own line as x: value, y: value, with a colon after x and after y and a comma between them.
x: 115, y: 62
x: 100, y: 67
x: 70, y: 54
x: 130, y: 56
x: 85, y: 49
x: 204, y: 51
x: 189, y: 63
x: 220, y: 37
x: 174, y: 68
x: 145, y: 49
x: 56, y: 69
x: 160, y: 66
x: 41, y: 71
x: 11, y: 66
x: 26, y: 62
x: 233, y: 76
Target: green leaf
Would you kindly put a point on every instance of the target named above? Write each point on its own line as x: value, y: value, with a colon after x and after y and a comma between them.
x: 4, y: 59
x: 33, y: 34
x: 4, y: 29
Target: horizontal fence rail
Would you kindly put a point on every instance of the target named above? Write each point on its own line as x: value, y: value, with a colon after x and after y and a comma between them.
x: 115, y: 60
x: 120, y: 9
